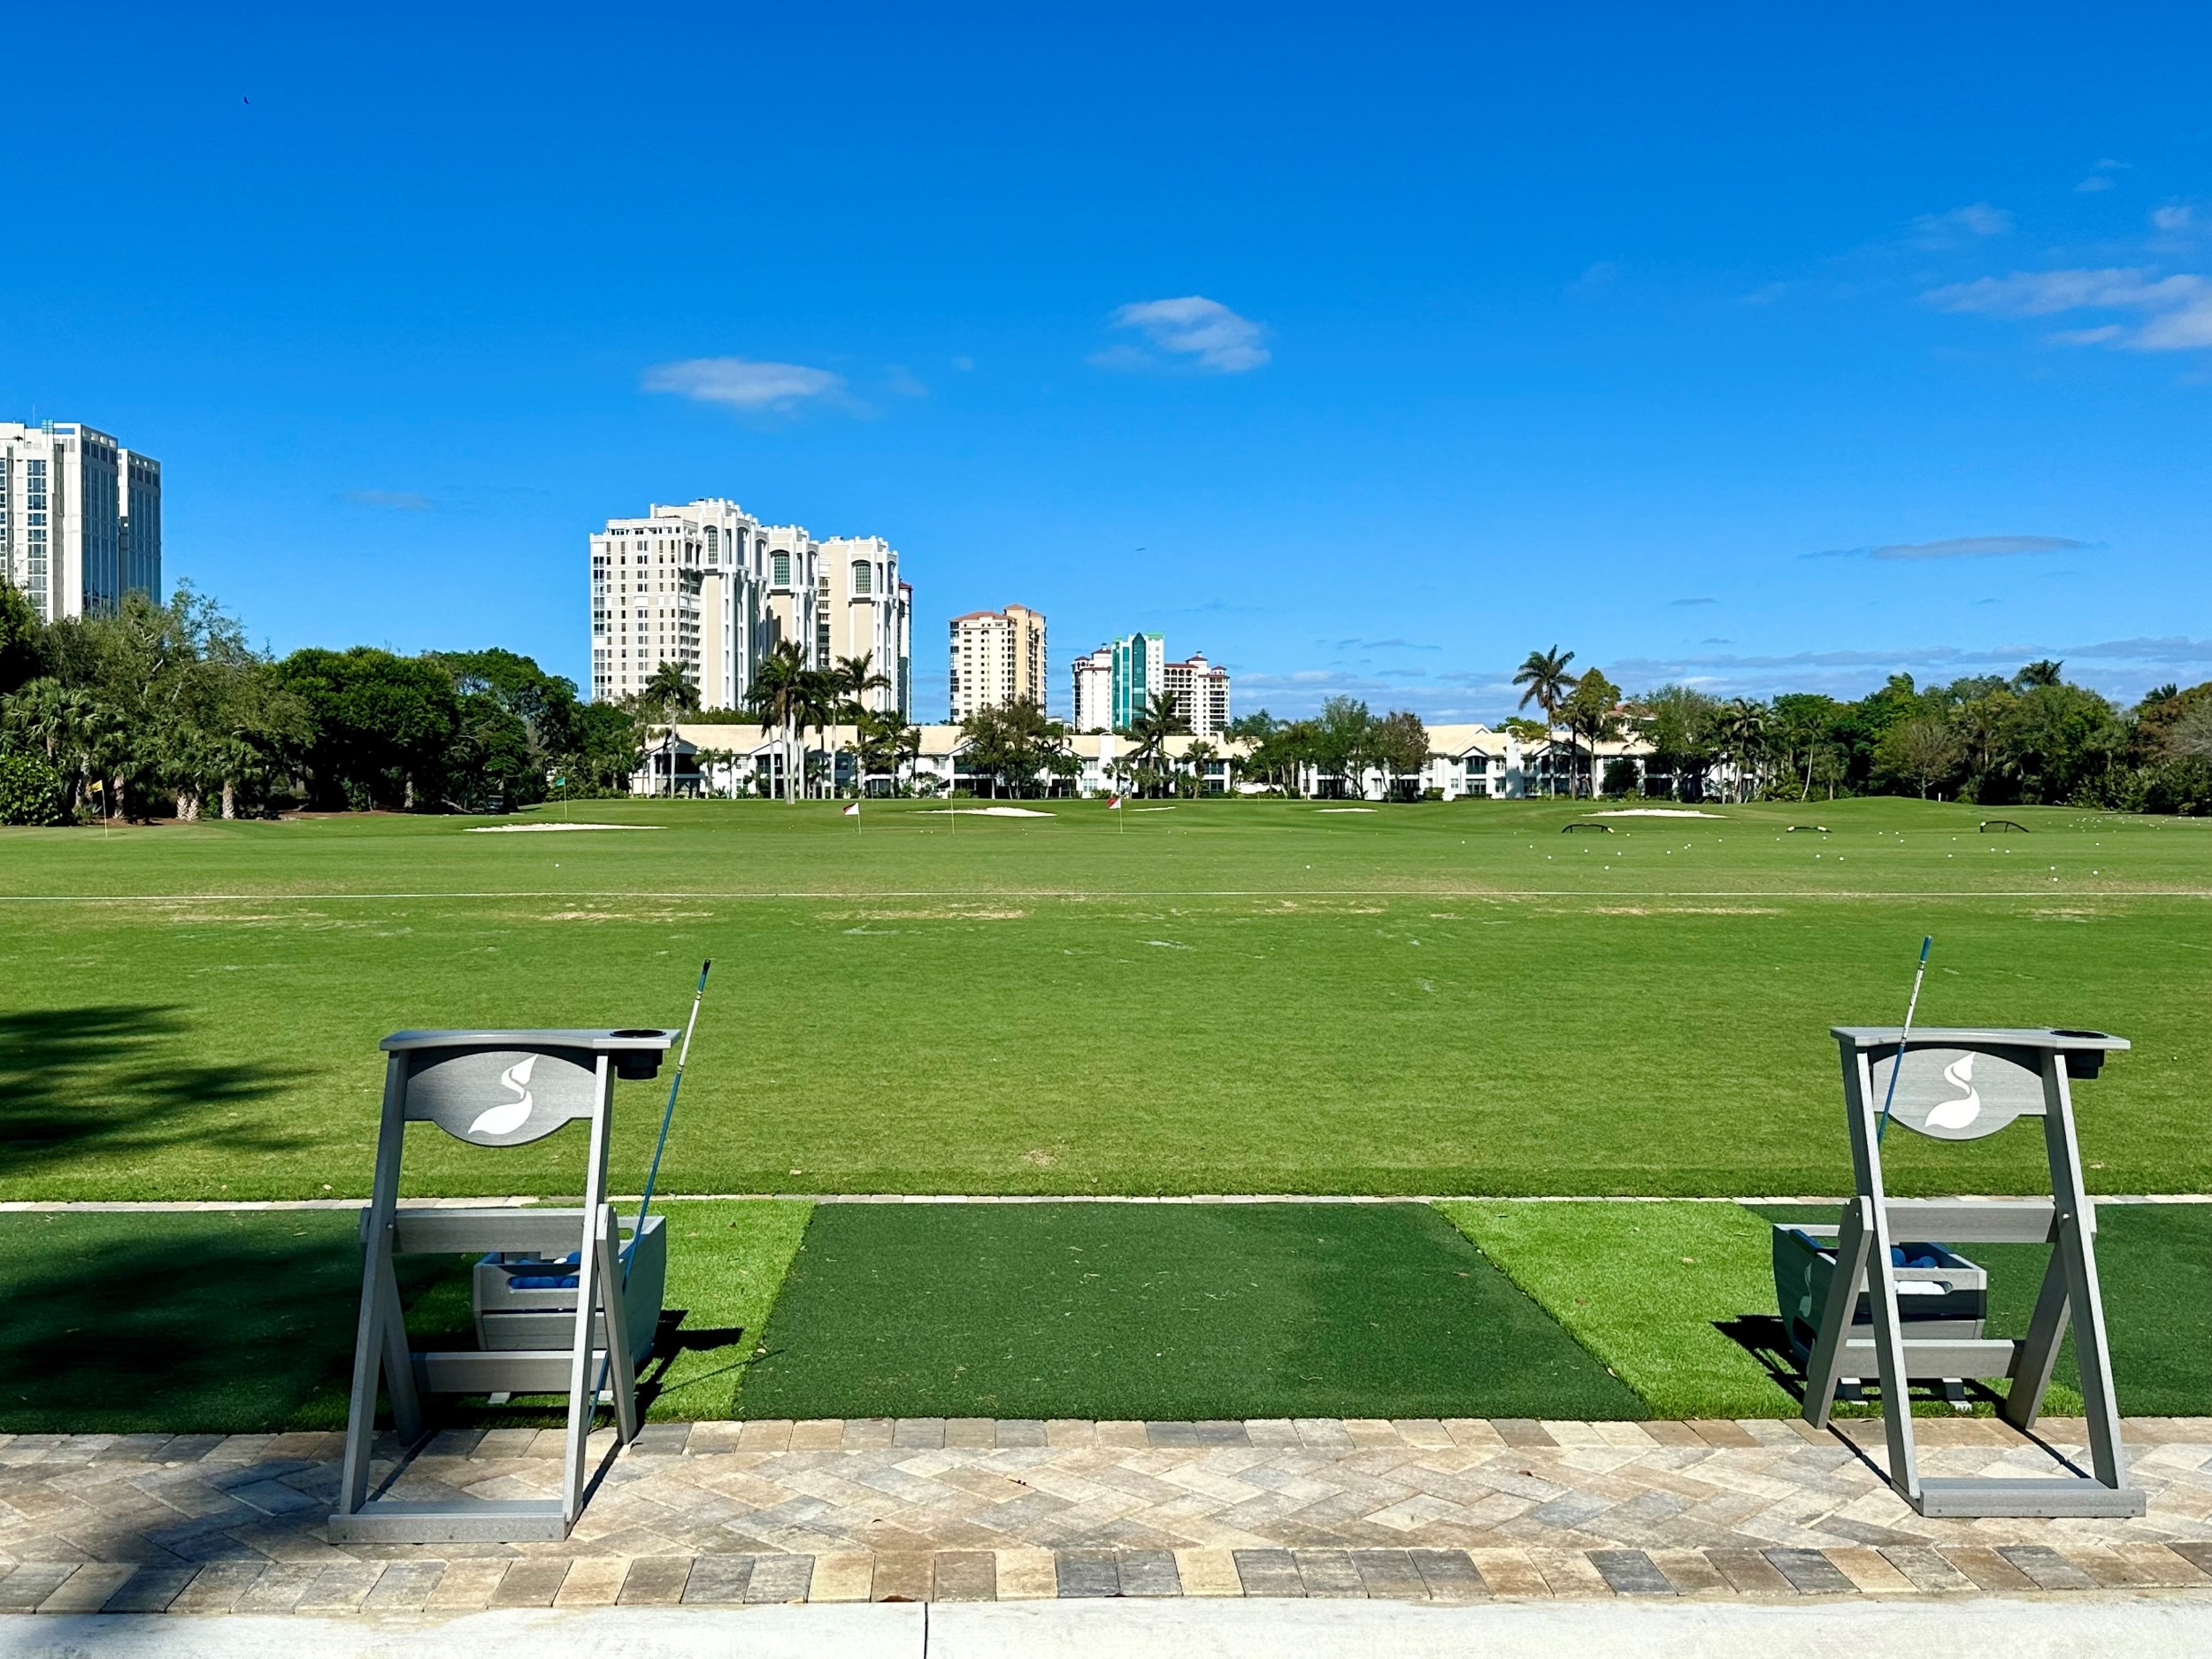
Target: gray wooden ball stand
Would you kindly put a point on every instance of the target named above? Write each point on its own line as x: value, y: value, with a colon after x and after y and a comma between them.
x: 1962, y: 1083
x: 492, y: 1088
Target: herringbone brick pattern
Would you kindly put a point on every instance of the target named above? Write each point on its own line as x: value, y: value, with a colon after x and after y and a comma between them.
x: 954, y: 1509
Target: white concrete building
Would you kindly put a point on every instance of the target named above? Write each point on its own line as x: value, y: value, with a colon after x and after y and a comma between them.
x: 680, y: 585
x: 79, y: 518
x: 998, y: 657
x: 1094, y: 705
x: 863, y: 610
x: 708, y: 586
x: 1202, y: 695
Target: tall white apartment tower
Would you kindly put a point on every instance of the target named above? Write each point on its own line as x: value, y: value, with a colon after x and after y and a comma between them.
x: 862, y: 608
x: 79, y: 518
x: 792, y: 594
x: 998, y: 657
x: 1202, y: 695
x: 681, y: 585
x: 1095, y: 691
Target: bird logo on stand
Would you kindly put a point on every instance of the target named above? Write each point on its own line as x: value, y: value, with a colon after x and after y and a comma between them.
x: 506, y: 1119
x: 1961, y: 1112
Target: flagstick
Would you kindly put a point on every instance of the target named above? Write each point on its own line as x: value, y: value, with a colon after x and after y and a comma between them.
x: 1898, y: 1064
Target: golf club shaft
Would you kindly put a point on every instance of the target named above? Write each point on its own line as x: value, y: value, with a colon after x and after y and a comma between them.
x: 1898, y: 1064
x: 668, y: 1116
x: 668, y: 1113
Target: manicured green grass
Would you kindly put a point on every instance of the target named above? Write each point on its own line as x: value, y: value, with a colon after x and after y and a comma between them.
x: 2155, y: 1263
x: 1647, y: 1288
x: 1225, y: 996
x: 242, y: 1322
x: 1170, y: 1311
x: 1669, y: 1295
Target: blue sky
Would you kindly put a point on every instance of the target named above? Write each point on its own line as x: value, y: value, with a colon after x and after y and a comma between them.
x: 1362, y: 350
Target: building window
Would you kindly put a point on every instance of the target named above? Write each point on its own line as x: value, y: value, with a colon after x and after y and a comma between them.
x: 862, y: 572
x: 782, y: 567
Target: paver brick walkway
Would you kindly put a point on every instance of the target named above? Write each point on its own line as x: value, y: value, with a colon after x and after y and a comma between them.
x: 974, y: 1510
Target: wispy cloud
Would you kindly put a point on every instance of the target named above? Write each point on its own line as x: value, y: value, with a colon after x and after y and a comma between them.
x: 1963, y: 547
x: 1699, y: 600
x: 2100, y: 176
x: 2173, y: 218
x: 1202, y: 333
x: 745, y: 383
x: 392, y: 500
x: 1384, y: 645
x: 900, y: 381
x: 1961, y: 225
x: 1595, y: 278
x: 2177, y: 309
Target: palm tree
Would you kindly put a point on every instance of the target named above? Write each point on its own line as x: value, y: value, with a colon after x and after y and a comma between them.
x: 778, y: 697
x: 2044, y: 671
x: 819, y: 709
x: 853, y: 677
x: 1156, y: 722
x: 670, y: 692
x: 1743, y: 731
x: 1545, y: 677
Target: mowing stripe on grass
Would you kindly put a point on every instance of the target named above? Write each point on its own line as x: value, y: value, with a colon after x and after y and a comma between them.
x: 1646, y: 1288
x: 1167, y: 1312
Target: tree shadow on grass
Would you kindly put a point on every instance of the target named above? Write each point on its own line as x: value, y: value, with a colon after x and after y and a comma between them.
x: 217, y: 1322
x: 121, y: 1081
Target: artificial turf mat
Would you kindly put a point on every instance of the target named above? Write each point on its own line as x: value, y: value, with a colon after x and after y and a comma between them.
x: 1651, y: 1290
x: 242, y: 1322
x: 1170, y: 1311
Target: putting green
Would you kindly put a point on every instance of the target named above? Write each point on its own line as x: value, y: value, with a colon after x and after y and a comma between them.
x: 1173, y: 1312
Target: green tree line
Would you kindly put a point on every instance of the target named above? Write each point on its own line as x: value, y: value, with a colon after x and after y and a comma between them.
x: 165, y: 709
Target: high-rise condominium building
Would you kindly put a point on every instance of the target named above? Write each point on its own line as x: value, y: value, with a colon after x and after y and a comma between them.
x: 863, y: 610
x: 998, y: 657
x: 709, y: 587
x: 1202, y: 695
x: 80, y: 518
x: 1139, y: 661
x: 1117, y: 683
x: 1095, y: 690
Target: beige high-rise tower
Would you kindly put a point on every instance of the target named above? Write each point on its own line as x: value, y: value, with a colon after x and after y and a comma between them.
x: 998, y: 657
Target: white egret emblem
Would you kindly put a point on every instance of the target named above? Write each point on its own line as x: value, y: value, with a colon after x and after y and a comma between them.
x: 1959, y: 1113
x: 504, y: 1120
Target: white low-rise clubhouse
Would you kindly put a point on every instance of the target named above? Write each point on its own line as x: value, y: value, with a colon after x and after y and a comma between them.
x: 699, y: 757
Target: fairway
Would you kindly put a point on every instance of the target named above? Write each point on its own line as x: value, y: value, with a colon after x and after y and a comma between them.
x: 1220, y: 996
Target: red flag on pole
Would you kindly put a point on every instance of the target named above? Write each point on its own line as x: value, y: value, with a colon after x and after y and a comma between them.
x: 851, y: 811
x: 1114, y: 805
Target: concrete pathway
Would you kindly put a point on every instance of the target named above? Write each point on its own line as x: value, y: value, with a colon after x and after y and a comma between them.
x: 1468, y: 1511
x: 2176, y: 1624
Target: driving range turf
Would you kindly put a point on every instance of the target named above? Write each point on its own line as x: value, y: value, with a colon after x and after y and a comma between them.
x: 242, y: 1322
x: 1221, y: 996
x: 1225, y: 997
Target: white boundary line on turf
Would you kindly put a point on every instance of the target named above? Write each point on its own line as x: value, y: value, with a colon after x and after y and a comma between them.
x: 188, y: 1206
x: 980, y: 894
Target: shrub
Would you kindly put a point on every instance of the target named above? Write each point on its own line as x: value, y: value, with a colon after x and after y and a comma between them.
x: 31, y: 791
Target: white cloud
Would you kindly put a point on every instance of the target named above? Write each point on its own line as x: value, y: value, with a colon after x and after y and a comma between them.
x: 744, y: 383
x: 1963, y: 547
x: 2093, y: 183
x: 2175, y: 216
x: 1205, y: 332
x: 1961, y: 223
x: 2178, y: 310
x: 1978, y: 547
x: 395, y: 499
